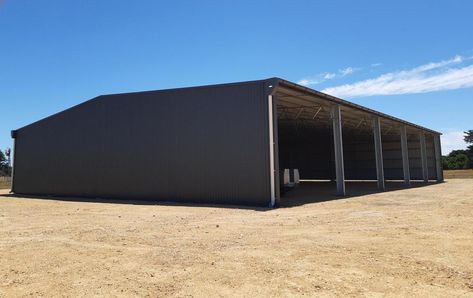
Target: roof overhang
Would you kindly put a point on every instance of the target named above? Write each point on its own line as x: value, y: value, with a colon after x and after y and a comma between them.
x: 292, y: 89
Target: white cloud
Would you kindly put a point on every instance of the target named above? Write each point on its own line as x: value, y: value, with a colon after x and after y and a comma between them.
x: 329, y: 76
x: 452, y: 140
x: 322, y: 77
x: 316, y: 80
x: 307, y: 82
x: 434, y: 76
x: 347, y: 71
x: 434, y: 65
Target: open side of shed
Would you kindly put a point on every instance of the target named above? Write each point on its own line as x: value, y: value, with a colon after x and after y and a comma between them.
x: 333, y: 141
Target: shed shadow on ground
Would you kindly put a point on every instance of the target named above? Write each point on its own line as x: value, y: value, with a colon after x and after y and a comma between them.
x: 317, y: 192
x: 305, y: 193
x: 132, y: 202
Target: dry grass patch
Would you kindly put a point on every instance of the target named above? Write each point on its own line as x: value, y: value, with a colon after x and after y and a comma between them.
x: 458, y: 174
x: 5, y: 185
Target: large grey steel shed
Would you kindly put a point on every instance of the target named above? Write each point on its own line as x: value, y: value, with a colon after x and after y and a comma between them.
x: 217, y: 144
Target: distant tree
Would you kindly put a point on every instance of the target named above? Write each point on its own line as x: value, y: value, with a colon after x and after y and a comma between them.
x: 456, y: 160
x: 460, y: 161
x: 468, y: 136
x: 456, y: 152
x: 3, y: 164
x: 5, y: 168
x: 469, y: 151
x: 445, y: 161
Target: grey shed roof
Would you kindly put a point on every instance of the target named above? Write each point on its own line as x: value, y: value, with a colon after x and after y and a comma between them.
x: 275, y: 82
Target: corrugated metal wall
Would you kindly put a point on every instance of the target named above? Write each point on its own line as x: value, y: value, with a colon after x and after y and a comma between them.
x: 415, y: 161
x: 392, y: 157
x: 359, y: 157
x: 311, y: 151
x: 308, y: 149
x: 203, y: 144
x: 429, y: 144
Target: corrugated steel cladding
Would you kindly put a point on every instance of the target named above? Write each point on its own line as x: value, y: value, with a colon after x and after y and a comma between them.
x: 311, y: 151
x: 307, y: 149
x: 204, y: 144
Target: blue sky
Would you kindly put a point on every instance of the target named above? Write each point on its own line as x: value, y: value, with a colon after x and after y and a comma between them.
x: 411, y: 59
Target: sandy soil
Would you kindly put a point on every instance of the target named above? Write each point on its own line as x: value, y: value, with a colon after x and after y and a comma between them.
x: 412, y: 242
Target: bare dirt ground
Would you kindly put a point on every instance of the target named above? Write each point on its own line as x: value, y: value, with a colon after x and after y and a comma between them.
x: 411, y: 242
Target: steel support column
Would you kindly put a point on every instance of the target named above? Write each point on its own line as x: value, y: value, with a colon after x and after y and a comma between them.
x: 438, y: 158
x: 338, y: 148
x: 271, y: 153
x: 423, y: 155
x: 378, y: 150
x: 405, y: 156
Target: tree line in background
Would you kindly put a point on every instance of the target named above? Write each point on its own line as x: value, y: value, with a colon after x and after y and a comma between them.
x: 5, y: 164
x: 460, y: 159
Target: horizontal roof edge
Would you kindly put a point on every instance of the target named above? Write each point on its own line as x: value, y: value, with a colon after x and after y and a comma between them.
x: 351, y: 105
x: 194, y: 87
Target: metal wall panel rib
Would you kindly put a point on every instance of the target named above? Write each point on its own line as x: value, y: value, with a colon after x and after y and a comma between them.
x: 392, y: 156
x: 360, y: 160
x: 203, y: 144
x: 429, y: 144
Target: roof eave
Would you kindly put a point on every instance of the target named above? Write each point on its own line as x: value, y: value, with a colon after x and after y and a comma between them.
x: 285, y: 83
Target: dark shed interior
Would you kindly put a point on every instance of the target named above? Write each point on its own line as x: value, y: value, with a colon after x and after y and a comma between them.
x: 305, y: 138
